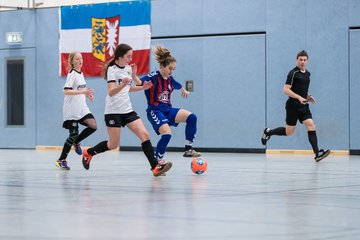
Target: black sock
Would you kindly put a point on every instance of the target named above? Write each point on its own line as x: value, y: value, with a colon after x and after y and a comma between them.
x: 84, y: 134
x: 280, y: 131
x: 149, y: 153
x: 99, y: 148
x: 65, y: 151
x: 313, y: 141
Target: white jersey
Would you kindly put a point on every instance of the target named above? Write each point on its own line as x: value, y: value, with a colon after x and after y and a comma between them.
x: 75, y: 106
x: 120, y: 102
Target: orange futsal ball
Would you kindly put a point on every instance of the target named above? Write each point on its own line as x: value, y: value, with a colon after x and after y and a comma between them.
x: 199, y: 165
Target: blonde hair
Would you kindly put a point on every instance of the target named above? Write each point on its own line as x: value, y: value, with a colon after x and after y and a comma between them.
x: 163, y: 56
x: 71, y: 60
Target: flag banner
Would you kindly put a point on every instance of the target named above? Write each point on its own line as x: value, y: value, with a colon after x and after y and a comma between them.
x: 95, y: 30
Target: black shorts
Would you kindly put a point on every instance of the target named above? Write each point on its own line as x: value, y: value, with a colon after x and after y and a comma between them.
x: 71, y: 124
x: 296, y: 111
x: 120, y: 120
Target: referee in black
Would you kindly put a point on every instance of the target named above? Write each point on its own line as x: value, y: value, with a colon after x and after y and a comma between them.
x: 297, y: 107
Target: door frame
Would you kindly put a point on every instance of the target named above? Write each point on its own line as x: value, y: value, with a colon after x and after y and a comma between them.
x: 23, y: 136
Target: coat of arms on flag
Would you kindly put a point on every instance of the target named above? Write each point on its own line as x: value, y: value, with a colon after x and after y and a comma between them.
x: 96, y: 30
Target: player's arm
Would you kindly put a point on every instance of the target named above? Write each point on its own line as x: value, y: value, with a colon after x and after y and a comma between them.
x: 86, y: 91
x: 178, y: 86
x: 134, y: 75
x: 145, y: 86
x: 114, y: 89
x: 290, y: 93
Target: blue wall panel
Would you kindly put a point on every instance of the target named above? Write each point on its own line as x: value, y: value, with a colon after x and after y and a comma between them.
x: 354, y: 13
x: 327, y: 43
x: 285, y: 37
x: 188, y: 17
x: 234, y: 86
x: 18, y: 21
x: 234, y: 16
x: 354, y: 89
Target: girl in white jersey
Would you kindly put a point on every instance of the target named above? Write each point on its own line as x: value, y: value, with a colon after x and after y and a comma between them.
x: 119, y: 113
x: 75, y: 109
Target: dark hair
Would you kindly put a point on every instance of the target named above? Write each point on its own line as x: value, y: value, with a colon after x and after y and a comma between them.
x: 302, y: 53
x: 120, y: 51
x: 163, y: 56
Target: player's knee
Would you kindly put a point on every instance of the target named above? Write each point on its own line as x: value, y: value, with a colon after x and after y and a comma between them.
x: 72, y: 137
x: 311, y: 127
x: 192, y: 118
x: 93, y: 125
x: 290, y: 131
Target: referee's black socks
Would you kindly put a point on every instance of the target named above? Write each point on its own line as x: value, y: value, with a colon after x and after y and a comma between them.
x: 280, y: 131
x: 313, y: 141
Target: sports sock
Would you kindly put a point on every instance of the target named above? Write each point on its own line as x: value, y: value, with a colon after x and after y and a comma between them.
x: 162, y: 145
x: 280, y: 131
x: 99, y: 148
x: 190, y: 129
x: 149, y: 153
x: 84, y: 134
x: 65, y: 151
x: 313, y: 141
x: 73, y: 134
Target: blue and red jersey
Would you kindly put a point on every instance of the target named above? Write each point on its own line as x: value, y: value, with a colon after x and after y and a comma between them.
x: 159, y: 95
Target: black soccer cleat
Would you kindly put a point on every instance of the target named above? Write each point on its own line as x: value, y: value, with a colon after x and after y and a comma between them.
x: 322, y: 154
x: 265, y: 137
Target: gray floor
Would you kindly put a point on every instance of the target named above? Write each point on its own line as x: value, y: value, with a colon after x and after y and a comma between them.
x: 242, y: 196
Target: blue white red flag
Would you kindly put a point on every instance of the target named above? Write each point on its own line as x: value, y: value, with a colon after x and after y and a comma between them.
x: 96, y: 29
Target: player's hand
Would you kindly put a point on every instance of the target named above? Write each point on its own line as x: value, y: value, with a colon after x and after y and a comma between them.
x: 91, y: 97
x: 89, y: 93
x: 134, y: 68
x: 303, y: 100
x: 147, y: 85
x: 311, y: 99
x: 184, y: 93
x: 125, y: 81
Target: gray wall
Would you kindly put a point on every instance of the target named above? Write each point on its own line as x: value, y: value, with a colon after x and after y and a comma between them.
x: 238, y: 53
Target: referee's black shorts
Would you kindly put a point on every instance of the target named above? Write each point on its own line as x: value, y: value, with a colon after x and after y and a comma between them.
x: 296, y: 111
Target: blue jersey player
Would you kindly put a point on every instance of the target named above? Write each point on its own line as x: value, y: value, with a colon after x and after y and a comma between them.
x: 160, y: 111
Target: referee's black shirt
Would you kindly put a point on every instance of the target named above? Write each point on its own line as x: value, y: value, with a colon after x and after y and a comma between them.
x: 299, y: 81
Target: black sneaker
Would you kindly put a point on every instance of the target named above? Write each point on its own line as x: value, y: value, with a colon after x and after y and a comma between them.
x: 322, y: 154
x: 265, y: 137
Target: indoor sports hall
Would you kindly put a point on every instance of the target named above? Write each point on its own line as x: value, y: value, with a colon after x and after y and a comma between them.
x: 233, y: 57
